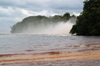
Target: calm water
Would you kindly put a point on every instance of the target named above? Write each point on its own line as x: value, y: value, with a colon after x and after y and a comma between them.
x: 16, y: 44
x: 10, y: 44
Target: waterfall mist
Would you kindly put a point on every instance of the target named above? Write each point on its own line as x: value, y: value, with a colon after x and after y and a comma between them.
x: 58, y: 24
x: 48, y: 28
x: 59, y: 28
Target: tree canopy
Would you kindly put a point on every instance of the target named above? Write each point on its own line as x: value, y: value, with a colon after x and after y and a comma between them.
x: 88, y: 23
x: 34, y: 22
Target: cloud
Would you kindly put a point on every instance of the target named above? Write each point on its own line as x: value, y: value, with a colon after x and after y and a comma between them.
x: 13, y: 11
x: 40, y: 5
x: 56, y: 6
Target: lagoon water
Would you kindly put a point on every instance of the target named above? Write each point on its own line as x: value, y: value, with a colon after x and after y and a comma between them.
x: 10, y: 44
x: 30, y: 43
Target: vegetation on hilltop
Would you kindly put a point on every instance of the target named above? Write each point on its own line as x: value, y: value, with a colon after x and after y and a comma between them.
x: 88, y: 23
x: 31, y: 23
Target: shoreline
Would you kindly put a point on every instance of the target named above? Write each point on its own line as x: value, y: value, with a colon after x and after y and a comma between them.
x: 50, y: 56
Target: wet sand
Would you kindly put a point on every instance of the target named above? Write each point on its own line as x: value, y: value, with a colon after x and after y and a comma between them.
x: 49, y: 50
x: 59, y: 63
x: 53, y: 58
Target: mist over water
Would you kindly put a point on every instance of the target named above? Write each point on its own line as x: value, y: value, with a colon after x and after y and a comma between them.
x: 58, y: 24
x: 49, y: 28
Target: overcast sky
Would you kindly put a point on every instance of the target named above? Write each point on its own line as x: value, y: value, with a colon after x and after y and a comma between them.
x: 13, y: 11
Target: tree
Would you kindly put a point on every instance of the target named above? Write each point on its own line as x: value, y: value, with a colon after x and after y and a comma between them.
x: 34, y: 23
x: 66, y: 16
x: 88, y: 23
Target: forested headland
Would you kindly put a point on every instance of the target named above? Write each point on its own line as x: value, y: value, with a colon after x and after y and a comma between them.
x: 88, y: 22
x: 37, y: 23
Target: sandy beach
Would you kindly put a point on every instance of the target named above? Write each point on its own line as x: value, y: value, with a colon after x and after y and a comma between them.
x: 84, y: 55
x: 49, y: 50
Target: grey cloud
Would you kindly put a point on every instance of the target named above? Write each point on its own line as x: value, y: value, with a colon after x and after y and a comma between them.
x: 67, y: 4
x: 12, y: 11
x: 43, y: 4
x: 6, y: 23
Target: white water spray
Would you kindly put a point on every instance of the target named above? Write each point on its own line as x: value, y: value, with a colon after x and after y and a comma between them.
x: 61, y: 28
